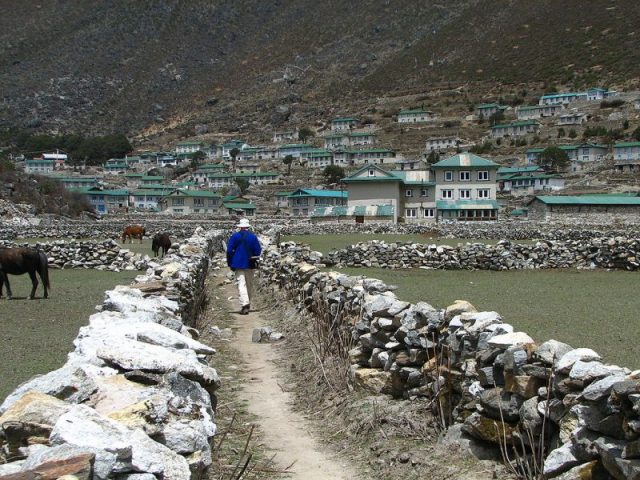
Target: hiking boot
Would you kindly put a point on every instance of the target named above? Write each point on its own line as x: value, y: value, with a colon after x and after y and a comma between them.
x: 245, y: 310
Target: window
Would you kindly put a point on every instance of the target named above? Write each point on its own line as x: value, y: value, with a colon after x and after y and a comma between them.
x: 198, y: 202
x: 447, y: 194
x: 178, y: 201
x: 483, y: 193
x: 465, y: 175
x: 408, y: 193
x: 372, y: 172
x: 448, y: 176
x: 429, y: 213
x: 465, y: 194
x: 483, y: 175
x: 410, y: 212
x: 424, y: 192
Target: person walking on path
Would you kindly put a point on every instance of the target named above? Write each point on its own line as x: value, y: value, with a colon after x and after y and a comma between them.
x: 242, y: 250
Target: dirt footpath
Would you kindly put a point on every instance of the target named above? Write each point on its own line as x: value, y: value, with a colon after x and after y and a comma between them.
x: 284, y: 431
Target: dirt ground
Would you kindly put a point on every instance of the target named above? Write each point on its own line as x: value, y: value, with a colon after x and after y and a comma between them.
x: 279, y: 412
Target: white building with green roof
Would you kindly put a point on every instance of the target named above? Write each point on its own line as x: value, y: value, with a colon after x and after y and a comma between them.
x: 515, y: 129
x: 341, y: 124
x: 186, y: 202
x: 627, y: 156
x: 416, y: 115
x: 466, y: 188
x: 533, y: 112
x: 604, y: 209
x: 189, y: 146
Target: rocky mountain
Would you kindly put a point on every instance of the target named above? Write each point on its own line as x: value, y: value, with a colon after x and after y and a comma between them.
x: 149, y: 65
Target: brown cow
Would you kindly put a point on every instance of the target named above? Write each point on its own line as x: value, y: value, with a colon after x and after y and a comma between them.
x: 133, y: 231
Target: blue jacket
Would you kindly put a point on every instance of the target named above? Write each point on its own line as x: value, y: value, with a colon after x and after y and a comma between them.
x: 242, y: 245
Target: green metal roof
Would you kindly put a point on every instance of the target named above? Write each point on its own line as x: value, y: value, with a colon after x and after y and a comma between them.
x: 534, y: 177
x: 506, y: 170
x: 344, y: 119
x: 611, y: 199
x: 562, y: 95
x: 370, y: 150
x: 75, y: 179
x: 294, y: 145
x: 240, y: 206
x: 362, y: 134
x: 152, y: 177
x: 196, y: 193
x: 211, y: 166
x: 626, y: 144
x: 413, y: 111
x: 466, y: 204
x: 256, y: 174
x: 354, y: 210
x: 308, y: 192
x: 465, y: 159
x: 523, y: 123
x: 188, y: 142
x: 150, y: 192
x: 156, y: 186
x: 109, y: 193
x: 282, y: 194
x: 133, y: 175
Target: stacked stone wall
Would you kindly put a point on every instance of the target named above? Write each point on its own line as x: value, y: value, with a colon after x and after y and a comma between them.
x: 609, y: 252
x: 495, y: 384
x: 134, y: 399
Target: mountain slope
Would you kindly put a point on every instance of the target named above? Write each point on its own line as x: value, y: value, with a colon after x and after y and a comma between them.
x: 127, y: 65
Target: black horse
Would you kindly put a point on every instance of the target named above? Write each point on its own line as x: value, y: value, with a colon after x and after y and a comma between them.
x: 160, y: 241
x: 17, y: 261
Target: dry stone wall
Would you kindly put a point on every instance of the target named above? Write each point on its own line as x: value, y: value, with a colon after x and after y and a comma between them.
x: 609, y: 252
x: 484, y: 378
x: 134, y: 399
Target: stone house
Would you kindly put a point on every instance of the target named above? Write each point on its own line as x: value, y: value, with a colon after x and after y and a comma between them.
x: 418, y: 115
x: 285, y: 136
x: 627, y: 156
x: 401, y: 194
x: 580, y: 208
x: 151, y: 179
x: 342, y: 124
x: 581, y: 155
x: 445, y: 144
x: 533, y: 112
x: 562, y: 98
x: 465, y: 188
x: 594, y: 94
x: 317, y: 158
x: 39, y: 165
x: 281, y: 199
x: 223, y: 150
x: 515, y: 129
x: 187, y: 147
x: 106, y: 201
x: 485, y: 110
x: 202, y: 174
x: 372, y: 155
x: 147, y: 198
x: 408, y: 164
x: 529, y: 184
x: 573, y: 118
x: 304, y: 200
x: 238, y: 206
x: 185, y: 202
x: 115, y: 166
x: 76, y: 183
x: 293, y: 149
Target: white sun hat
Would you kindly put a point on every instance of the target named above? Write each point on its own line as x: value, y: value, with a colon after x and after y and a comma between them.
x: 244, y: 223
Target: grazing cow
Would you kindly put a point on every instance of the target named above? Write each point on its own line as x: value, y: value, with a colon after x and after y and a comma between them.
x: 133, y: 231
x: 17, y: 261
x: 160, y: 241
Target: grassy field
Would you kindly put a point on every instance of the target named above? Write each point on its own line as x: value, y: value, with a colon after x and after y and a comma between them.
x: 326, y: 243
x: 595, y: 309
x: 38, y: 334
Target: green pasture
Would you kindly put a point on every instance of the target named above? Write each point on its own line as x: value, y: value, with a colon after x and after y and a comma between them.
x: 326, y: 243
x: 38, y: 334
x: 595, y: 309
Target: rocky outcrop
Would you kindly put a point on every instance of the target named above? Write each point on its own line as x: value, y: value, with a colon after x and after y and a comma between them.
x: 136, y: 396
x: 478, y: 372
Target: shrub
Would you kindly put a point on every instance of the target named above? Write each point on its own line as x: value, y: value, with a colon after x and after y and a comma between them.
x: 618, y: 102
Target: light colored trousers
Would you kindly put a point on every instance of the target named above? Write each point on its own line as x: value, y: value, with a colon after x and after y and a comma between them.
x: 245, y: 286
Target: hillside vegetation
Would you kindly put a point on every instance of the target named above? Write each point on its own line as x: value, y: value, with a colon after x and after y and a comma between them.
x: 105, y: 67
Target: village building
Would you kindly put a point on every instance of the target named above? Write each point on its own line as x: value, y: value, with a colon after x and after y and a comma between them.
x: 293, y: 149
x: 527, y: 180
x: 133, y: 179
x: 466, y: 188
x: 77, y: 183
x: 201, y: 175
x: 285, y: 136
x: 147, y: 198
x: 304, y: 200
x: 106, y: 201
x: 594, y: 94
x: 247, y: 166
x: 342, y: 124
x: 573, y: 118
x: 418, y: 115
x: 604, y: 209
x: 636, y: 103
x: 59, y: 159
x: 515, y: 129
x: 187, y: 147
x: 151, y: 179
x: 317, y: 158
x: 39, y: 165
x: 372, y: 155
x: 485, y: 110
x: 115, y: 166
x: 533, y: 112
x: 354, y: 213
x: 581, y: 155
x: 410, y: 164
x: 238, y: 206
x: 345, y: 140
x: 627, y: 156
x: 409, y: 195
x: 562, y: 98
x: 445, y: 144
x: 281, y: 199
x: 185, y: 202
x: 223, y: 150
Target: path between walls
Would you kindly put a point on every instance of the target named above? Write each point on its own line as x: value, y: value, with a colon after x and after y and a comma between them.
x: 285, y: 432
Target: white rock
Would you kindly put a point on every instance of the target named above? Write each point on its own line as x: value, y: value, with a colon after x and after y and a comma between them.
x: 565, y: 363
x: 510, y: 339
x: 559, y: 460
